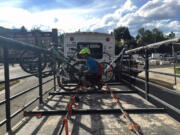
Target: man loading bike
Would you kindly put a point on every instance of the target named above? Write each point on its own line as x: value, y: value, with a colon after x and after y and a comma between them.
x: 94, y: 71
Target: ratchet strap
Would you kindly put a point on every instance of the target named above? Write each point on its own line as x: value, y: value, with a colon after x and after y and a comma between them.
x: 65, y: 122
x: 69, y: 108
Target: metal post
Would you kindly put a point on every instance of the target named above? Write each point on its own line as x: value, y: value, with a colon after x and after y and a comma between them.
x: 40, y: 79
x: 175, y: 82
x: 130, y: 70
x: 55, y: 79
x: 146, y: 74
x: 7, y: 89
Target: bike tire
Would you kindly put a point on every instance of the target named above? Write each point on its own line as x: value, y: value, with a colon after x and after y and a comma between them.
x: 108, y: 75
x: 73, y: 78
x: 29, y: 62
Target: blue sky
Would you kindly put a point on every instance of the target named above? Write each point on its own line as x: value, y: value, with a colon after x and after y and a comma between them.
x: 91, y: 15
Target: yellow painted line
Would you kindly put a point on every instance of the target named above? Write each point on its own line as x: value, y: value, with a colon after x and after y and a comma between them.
x: 160, y: 83
x: 2, y: 86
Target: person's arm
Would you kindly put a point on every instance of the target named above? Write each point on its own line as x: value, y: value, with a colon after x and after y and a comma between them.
x: 87, y: 72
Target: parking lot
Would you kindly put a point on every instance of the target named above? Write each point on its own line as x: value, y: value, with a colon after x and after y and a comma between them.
x: 163, y: 80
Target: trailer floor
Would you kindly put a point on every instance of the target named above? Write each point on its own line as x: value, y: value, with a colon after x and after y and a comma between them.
x: 150, y: 124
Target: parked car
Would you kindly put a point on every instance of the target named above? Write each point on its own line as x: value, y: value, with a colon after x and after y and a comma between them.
x: 136, y: 67
x: 154, y: 61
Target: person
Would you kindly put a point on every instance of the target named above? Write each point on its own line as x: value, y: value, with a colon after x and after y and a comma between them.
x: 93, y: 72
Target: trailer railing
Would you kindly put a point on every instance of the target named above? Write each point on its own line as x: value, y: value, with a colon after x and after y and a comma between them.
x: 5, y: 45
x: 158, y: 94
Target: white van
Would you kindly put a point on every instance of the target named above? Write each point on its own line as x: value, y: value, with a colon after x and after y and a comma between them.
x: 100, y: 44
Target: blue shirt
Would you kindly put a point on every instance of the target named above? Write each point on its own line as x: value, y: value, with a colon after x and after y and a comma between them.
x: 91, y: 63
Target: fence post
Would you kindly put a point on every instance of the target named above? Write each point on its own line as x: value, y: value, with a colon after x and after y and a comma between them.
x: 40, y: 79
x: 129, y: 70
x: 54, y: 74
x: 146, y: 74
x: 175, y: 81
x: 7, y: 89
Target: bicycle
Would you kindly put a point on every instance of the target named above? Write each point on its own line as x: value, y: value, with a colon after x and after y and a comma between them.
x: 60, y: 65
x: 29, y: 62
x: 66, y: 68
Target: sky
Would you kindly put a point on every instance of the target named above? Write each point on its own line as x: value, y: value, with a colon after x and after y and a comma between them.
x: 91, y: 15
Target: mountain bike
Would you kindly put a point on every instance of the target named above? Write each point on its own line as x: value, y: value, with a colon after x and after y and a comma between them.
x: 67, y: 69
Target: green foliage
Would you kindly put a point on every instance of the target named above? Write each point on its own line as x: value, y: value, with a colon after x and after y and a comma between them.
x: 145, y: 37
x: 122, y: 33
x: 35, y: 30
x: 123, y: 37
x: 171, y: 35
x: 23, y: 29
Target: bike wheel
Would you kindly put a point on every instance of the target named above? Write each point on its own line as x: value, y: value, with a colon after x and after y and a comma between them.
x: 52, y: 66
x: 67, y: 77
x: 107, y: 74
x: 29, y: 62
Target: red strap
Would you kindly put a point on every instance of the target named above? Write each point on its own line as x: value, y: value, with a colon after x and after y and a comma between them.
x: 116, y: 100
x: 37, y: 115
x: 65, y: 122
x: 100, y: 69
x: 69, y: 109
x: 74, y: 103
x: 131, y: 125
x: 123, y: 115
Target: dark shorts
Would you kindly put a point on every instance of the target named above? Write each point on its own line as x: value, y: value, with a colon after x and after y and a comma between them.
x: 93, y: 78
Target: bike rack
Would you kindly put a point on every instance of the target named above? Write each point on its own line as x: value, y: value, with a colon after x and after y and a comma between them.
x: 7, y: 43
x: 121, y: 111
x: 131, y: 124
x: 68, y: 112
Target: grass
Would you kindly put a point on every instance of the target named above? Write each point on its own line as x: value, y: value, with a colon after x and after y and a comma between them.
x: 177, y: 70
x: 2, y: 86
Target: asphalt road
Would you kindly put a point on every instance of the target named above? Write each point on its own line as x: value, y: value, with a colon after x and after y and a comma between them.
x: 14, y: 71
x: 24, y: 84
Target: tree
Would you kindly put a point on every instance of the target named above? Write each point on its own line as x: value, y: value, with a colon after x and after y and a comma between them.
x: 23, y: 29
x: 171, y: 35
x: 122, y: 33
x: 158, y: 35
x: 35, y: 30
x: 122, y: 37
x: 145, y: 37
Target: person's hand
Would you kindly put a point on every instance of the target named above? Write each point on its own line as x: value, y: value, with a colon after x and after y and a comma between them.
x: 84, y: 72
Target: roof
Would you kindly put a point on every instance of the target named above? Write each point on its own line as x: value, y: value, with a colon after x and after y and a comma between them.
x: 88, y: 33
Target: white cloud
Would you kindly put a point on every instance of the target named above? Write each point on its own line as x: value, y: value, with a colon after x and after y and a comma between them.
x: 69, y: 20
x: 160, y: 9
x: 110, y: 20
x: 155, y: 13
x: 175, y: 25
x: 13, y: 3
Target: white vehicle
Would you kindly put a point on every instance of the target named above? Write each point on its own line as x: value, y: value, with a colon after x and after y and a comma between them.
x: 100, y: 44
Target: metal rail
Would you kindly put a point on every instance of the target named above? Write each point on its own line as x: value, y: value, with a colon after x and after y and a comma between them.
x: 154, y: 45
x: 148, y: 89
x: 6, y: 44
x: 95, y: 111
x: 90, y: 92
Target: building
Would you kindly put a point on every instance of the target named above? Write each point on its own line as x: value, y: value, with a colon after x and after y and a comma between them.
x: 41, y: 39
x: 38, y: 38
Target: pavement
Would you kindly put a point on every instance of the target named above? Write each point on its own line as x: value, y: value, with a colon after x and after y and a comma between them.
x: 163, y: 80
x: 19, y: 102
x: 150, y: 124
